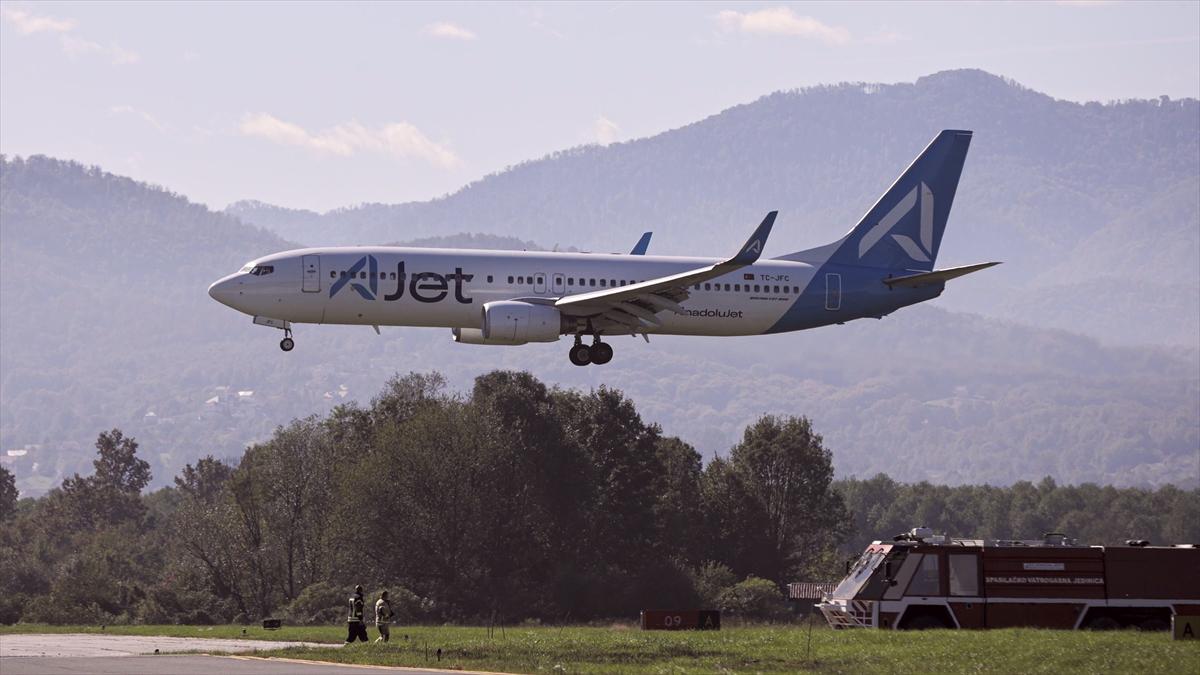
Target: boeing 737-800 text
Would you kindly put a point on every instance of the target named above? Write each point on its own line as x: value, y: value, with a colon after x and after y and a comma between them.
x: 513, y: 298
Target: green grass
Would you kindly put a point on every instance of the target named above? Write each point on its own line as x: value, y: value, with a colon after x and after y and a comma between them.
x: 621, y: 649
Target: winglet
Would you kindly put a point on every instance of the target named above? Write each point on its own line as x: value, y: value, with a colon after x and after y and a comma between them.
x: 755, y: 244
x: 642, y: 245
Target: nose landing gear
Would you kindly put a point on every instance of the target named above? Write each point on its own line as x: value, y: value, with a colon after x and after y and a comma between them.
x: 287, y: 343
x: 598, y: 353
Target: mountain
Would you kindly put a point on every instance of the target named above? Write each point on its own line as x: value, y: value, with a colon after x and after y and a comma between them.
x: 105, y: 321
x: 1078, y: 200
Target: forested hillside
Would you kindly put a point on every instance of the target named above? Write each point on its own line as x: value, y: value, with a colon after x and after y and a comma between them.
x: 510, y: 501
x: 1081, y: 201
x: 105, y: 321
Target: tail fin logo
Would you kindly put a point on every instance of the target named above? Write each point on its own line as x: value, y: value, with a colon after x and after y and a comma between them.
x: 355, y: 273
x: 920, y: 252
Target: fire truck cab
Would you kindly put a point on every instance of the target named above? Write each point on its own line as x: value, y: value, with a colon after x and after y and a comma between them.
x: 921, y: 580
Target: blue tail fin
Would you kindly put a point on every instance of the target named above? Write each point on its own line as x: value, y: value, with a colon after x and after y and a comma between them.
x: 903, y: 231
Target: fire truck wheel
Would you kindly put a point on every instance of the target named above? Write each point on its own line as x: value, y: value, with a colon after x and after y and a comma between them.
x: 925, y: 622
x: 1103, y: 623
x: 1154, y: 624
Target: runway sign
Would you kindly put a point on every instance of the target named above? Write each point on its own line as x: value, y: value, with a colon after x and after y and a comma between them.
x: 1185, y: 627
x: 688, y: 619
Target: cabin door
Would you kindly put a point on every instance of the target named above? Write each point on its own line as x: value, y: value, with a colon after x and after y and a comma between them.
x: 311, y: 264
x: 833, y: 291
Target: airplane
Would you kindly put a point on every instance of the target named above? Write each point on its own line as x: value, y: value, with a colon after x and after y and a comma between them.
x: 516, y: 297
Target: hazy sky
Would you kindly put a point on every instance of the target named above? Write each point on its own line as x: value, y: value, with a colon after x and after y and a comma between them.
x: 326, y: 105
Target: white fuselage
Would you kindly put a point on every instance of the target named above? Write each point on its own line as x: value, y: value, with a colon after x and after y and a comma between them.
x: 448, y: 287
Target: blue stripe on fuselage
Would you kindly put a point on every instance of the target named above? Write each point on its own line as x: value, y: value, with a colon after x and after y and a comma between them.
x: 863, y: 294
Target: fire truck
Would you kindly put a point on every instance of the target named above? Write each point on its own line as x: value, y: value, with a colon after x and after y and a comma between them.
x: 921, y: 580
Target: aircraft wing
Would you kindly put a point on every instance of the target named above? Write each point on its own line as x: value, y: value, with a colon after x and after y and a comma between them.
x: 637, y: 303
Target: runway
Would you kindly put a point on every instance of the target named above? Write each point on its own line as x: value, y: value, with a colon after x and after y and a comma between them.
x: 88, y: 654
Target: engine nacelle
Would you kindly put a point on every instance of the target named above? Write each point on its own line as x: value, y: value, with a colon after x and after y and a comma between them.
x: 510, y: 322
x: 474, y: 336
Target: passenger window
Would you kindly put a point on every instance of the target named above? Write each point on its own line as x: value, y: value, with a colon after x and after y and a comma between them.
x: 510, y: 280
x: 592, y: 283
x: 697, y: 286
x: 570, y: 281
x: 964, y: 575
x: 737, y: 287
x: 342, y: 274
x: 489, y: 278
x: 925, y: 581
x: 362, y: 275
x: 602, y: 284
x: 708, y: 287
x: 727, y: 287
x: 612, y: 283
x: 541, y: 280
x: 332, y: 274
x: 520, y: 280
x: 383, y: 275
x: 756, y: 288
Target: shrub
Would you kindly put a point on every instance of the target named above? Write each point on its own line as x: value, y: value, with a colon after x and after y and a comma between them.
x: 754, y: 599
x: 320, y: 603
x: 710, y: 580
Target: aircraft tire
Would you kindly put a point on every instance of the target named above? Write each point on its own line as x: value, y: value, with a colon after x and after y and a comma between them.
x: 602, y: 353
x: 286, y: 344
x: 580, y: 355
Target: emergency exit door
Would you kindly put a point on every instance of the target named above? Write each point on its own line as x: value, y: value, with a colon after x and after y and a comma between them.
x: 311, y: 265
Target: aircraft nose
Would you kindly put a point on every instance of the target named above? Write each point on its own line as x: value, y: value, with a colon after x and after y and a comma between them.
x: 224, y: 291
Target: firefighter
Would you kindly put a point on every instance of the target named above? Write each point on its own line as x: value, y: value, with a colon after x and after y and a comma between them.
x: 383, y: 617
x: 356, y: 629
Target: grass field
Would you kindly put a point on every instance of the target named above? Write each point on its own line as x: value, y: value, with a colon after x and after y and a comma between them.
x: 622, y: 649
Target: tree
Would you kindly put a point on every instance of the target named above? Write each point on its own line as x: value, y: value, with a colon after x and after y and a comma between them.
x: 8, y: 493
x: 678, y: 508
x: 787, y: 472
x: 206, y: 480
x: 111, y: 495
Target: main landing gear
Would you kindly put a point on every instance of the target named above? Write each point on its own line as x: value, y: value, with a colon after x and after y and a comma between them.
x: 598, y: 353
x: 287, y: 343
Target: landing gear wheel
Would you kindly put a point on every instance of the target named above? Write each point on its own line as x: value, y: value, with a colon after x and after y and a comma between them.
x: 602, y: 353
x: 286, y: 344
x: 580, y: 354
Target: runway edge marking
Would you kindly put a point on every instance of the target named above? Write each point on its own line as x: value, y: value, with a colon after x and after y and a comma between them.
x: 360, y: 665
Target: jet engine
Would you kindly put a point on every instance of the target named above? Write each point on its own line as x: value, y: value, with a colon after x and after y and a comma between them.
x: 511, y: 322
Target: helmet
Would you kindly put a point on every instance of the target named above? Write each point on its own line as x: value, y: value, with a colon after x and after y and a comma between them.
x: 383, y: 595
x: 358, y: 589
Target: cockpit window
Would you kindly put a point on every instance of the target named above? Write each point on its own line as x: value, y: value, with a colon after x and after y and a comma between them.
x: 247, y: 268
x: 262, y: 270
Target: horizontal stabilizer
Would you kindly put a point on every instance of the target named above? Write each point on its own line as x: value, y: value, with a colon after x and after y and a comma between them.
x: 936, y: 276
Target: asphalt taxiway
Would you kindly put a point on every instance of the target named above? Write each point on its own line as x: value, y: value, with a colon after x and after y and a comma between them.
x: 80, y: 654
